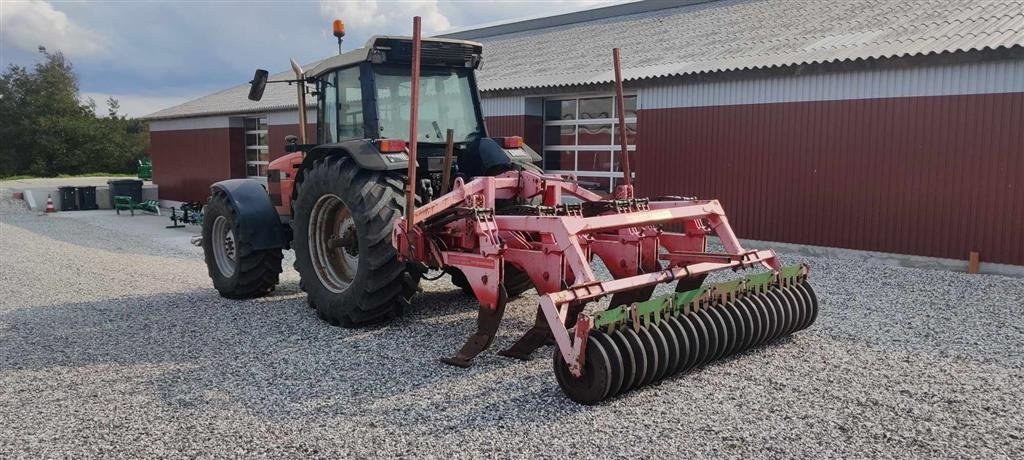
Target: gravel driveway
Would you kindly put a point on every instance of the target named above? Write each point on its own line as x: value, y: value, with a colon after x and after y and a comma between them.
x: 113, y: 343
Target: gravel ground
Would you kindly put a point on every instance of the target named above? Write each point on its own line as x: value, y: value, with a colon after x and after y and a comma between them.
x: 113, y: 343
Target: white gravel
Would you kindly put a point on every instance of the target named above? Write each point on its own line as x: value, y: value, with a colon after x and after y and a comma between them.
x: 114, y: 344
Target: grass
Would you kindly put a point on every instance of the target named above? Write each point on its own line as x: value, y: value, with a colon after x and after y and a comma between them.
x: 65, y: 176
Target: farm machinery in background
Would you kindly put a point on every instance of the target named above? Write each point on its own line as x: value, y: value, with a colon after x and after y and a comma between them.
x: 404, y: 180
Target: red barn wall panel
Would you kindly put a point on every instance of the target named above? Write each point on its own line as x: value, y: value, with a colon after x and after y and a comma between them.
x: 935, y: 176
x: 277, y: 133
x: 186, y: 162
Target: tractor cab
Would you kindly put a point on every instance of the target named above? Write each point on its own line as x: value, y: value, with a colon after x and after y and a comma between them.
x: 363, y: 98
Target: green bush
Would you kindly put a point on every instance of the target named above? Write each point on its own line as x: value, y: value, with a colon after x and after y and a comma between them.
x: 47, y: 130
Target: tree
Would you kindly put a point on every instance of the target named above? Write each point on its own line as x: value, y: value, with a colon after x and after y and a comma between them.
x: 46, y: 129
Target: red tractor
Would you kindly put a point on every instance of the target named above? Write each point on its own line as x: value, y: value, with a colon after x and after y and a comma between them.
x: 366, y: 224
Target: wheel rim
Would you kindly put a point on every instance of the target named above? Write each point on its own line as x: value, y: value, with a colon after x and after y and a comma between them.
x: 333, y: 243
x: 224, y: 246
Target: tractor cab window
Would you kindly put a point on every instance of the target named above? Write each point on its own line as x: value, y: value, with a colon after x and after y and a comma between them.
x: 446, y: 102
x: 341, y: 106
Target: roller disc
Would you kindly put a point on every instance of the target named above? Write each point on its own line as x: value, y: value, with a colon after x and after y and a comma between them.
x: 813, y: 302
x: 759, y: 317
x: 661, y: 347
x: 628, y: 361
x: 780, y: 313
x: 724, y: 334
x: 797, y: 301
x: 730, y: 330
x: 739, y: 334
x: 675, y: 349
x: 788, y: 311
x: 698, y: 340
x: 805, y: 303
x: 614, y: 361
x: 639, y: 356
x: 791, y: 317
x: 685, y: 350
x: 653, y: 358
x: 801, y: 308
x: 798, y: 308
x: 712, y: 333
x: 593, y: 385
x: 774, y: 315
x: 748, y: 324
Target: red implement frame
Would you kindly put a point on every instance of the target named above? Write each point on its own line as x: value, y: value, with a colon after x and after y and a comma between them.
x: 460, y: 230
x: 556, y: 242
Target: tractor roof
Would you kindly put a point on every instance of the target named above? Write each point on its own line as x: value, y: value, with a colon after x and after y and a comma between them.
x: 390, y: 48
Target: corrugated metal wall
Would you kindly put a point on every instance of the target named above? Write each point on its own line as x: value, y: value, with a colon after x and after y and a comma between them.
x: 983, y: 77
x: 186, y: 162
x: 495, y: 106
x: 935, y: 175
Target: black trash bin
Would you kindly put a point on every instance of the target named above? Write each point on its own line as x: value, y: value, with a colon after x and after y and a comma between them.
x: 87, y: 198
x: 68, y: 198
x: 125, y: 187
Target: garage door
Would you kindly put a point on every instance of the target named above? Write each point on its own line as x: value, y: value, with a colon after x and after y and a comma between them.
x: 581, y: 137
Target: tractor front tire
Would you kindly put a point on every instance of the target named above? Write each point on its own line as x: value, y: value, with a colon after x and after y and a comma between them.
x: 343, y: 218
x: 237, y: 270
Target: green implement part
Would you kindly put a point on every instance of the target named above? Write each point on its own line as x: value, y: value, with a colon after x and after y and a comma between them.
x: 126, y: 203
x: 650, y: 312
x: 145, y: 169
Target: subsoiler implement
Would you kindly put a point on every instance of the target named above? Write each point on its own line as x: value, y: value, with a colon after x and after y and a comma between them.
x: 550, y: 228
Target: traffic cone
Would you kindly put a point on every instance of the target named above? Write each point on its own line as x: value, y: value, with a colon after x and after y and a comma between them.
x: 49, y: 204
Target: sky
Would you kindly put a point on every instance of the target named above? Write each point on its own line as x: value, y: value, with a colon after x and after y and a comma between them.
x: 153, y: 55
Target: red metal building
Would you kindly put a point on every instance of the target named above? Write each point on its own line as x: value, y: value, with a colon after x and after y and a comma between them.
x: 889, y: 126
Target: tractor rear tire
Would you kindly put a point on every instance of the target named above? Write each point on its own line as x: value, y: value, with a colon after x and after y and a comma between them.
x: 343, y: 218
x: 237, y: 270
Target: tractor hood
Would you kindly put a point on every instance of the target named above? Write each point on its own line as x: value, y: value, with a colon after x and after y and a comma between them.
x: 383, y: 48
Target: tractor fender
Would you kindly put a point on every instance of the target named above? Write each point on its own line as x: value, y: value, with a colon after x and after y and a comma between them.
x: 490, y: 158
x: 259, y: 226
x: 492, y: 155
x: 365, y: 154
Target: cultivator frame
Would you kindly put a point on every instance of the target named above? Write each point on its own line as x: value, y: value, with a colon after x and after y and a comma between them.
x: 521, y: 218
x: 554, y: 244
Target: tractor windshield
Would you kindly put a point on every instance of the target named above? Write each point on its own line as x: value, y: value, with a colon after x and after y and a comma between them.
x: 446, y: 102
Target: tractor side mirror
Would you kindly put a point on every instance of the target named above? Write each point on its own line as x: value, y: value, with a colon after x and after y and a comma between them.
x: 258, y: 84
x: 291, y: 143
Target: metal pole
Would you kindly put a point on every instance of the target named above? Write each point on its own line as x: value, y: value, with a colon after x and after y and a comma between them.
x: 449, y: 154
x: 410, y: 187
x: 623, y: 151
x: 302, y: 111
x: 300, y: 75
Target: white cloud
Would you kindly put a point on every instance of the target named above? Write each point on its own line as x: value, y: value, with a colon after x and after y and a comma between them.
x: 28, y: 24
x: 135, y: 105
x: 379, y: 17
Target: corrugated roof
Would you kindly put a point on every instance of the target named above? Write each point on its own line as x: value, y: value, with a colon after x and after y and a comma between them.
x: 235, y: 100
x: 700, y: 38
x: 745, y: 34
x: 276, y: 96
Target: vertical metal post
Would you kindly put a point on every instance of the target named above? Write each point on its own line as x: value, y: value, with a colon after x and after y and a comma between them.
x: 410, y: 192
x: 302, y: 111
x: 621, y: 112
x: 449, y: 155
x: 300, y: 75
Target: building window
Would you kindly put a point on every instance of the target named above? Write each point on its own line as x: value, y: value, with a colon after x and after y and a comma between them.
x: 257, y: 155
x: 581, y: 137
